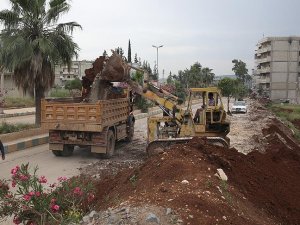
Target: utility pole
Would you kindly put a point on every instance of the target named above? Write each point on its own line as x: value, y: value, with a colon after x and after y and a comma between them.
x: 157, y: 47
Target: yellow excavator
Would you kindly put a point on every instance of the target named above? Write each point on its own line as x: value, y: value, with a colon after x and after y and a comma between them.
x: 179, y: 123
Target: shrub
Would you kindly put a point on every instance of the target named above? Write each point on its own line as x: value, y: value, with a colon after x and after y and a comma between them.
x: 142, y: 104
x: 73, y: 84
x: 37, y: 202
x: 59, y: 93
x: 10, y: 102
x: 10, y: 128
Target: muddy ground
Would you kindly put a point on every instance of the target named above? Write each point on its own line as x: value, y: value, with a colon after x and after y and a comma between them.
x: 263, y: 169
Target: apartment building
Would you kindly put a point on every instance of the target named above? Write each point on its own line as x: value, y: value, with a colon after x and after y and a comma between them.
x: 278, y: 62
x: 62, y: 73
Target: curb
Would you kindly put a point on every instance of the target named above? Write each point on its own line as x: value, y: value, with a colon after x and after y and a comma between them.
x: 24, y: 143
x: 16, y: 114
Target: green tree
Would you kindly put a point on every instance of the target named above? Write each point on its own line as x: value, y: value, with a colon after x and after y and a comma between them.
x: 121, y: 52
x: 239, y: 89
x: 170, y: 79
x: 104, y: 53
x: 239, y: 69
x: 129, y: 52
x: 226, y: 85
x: 73, y: 84
x: 136, y: 58
x: 33, y: 42
x: 208, y: 76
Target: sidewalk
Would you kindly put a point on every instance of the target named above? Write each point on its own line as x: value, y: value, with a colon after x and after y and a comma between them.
x: 17, y: 112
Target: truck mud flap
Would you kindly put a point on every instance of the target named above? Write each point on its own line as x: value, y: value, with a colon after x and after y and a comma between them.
x: 56, y: 147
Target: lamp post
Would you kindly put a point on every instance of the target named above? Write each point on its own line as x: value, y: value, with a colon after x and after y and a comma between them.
x: 157, y: 47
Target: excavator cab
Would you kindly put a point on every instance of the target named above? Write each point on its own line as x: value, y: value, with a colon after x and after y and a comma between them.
x: 210, y: 117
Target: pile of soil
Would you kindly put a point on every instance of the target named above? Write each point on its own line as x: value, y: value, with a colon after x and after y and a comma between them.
x: 262, y: 188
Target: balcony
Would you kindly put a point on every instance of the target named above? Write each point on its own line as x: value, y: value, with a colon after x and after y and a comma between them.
x: 263, y: 80
x: 264, y: 49
x: 264, y: 70
x: 264, y: 60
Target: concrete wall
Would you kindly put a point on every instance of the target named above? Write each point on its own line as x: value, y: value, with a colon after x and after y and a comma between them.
x: 291, y: 67
x: 284, y: 56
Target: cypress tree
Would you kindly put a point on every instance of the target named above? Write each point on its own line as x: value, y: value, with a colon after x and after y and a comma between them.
x: 129, y: 52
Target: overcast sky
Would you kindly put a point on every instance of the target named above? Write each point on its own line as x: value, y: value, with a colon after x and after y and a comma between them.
x: 212, y: 32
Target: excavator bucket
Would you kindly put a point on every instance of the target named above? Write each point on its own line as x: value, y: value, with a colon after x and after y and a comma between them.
x: 115, y: 70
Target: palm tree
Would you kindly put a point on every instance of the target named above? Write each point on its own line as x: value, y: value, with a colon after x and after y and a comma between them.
x: 208, y: 76
x: 32, y: 43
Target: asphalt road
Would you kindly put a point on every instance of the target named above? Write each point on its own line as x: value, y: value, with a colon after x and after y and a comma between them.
x: 51, y: 166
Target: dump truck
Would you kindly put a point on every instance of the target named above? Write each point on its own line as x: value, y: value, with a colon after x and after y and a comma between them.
x: 94, y: 120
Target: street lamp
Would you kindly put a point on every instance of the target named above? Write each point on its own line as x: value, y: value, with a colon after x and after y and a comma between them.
x: 157, y: 47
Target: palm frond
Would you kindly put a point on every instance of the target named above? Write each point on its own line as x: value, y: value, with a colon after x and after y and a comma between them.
x: 23, y: 5
x: 9, y: 18
x: 57, y: 8
x: 67, y: 27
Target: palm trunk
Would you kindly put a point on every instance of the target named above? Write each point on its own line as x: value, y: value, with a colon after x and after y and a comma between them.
x: 39, y: 94
x: 228, y: 99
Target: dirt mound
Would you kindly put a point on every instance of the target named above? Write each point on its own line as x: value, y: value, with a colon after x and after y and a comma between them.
x: 261, y: 188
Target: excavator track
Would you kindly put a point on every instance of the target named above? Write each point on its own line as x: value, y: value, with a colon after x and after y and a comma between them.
x: 158, y: 146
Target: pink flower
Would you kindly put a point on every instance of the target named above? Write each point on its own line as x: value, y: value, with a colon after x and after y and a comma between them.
x: 8, y: 196
x: 27, y: 197
x: 13, y: 183
x: 61, y: 179
x: 52, y: 185
x: 77, y: 191
x: 16, y: 220
x: 53, y: 200
x: 55, y: 208
x: 31, y: 193
x: 42, y: 179
x: 37, y: 194
x: 15, y: 170
x: 24, y: 177
x: 91, y: 197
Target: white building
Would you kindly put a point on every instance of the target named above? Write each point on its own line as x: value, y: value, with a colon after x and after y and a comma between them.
x: 277, y: 73
x: 62, y: 73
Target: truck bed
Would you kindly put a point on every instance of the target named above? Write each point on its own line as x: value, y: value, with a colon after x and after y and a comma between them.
x: 80, y: 116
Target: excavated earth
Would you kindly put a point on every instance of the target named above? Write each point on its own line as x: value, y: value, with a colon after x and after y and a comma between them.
x: 179, y: 186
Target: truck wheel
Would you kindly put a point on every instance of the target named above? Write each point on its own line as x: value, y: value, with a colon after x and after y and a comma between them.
x: 110, y: 147
x: 68, y: 150
x: 57, y: 153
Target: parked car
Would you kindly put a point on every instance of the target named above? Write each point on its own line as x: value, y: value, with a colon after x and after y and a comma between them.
x: 239, y: 107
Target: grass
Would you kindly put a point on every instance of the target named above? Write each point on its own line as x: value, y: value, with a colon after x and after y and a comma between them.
x: 225, y: 190
x: 13, y: 102
x: 10, y: 128
x: 59, y: 93
x: 288, y: 113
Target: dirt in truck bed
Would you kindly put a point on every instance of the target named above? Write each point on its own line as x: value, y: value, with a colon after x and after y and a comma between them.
x: 262, y: 188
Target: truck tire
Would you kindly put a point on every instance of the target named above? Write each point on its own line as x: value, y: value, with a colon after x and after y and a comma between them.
x: 67, y: 150
x: 57, y: 152
x: 110, y: 147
